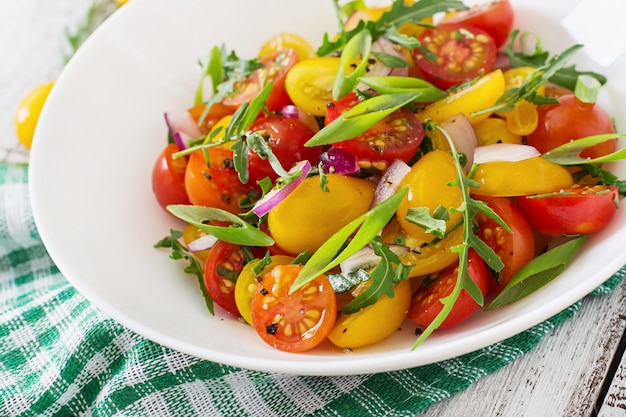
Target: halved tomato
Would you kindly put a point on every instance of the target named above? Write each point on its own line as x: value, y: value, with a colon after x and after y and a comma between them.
x: 168, y: 178
x: 221, y: 269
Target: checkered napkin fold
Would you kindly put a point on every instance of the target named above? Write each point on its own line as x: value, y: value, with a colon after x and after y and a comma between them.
x: 60, y: 356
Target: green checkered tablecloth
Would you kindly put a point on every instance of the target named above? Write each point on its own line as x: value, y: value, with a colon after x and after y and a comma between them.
x: 60, y: 356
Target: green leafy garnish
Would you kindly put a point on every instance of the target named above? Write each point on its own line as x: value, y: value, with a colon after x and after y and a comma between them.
x: 179, y: 251
x: 214, y: 69
x: 537, y: 273
x: 357, y: 50
x: 569, y: 153
x: 239, y: 233
x: 334, y: 250
x: 605, y: 177
x: 435, y: 224
x: 390, y: 84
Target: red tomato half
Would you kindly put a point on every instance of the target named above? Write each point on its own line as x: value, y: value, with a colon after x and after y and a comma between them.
x: 168, y: 178
x: 216, y: 185
x: 462, y: 53
x: 398, y: 136
x: 495, y: 17
x: 275, y: 68
x: 580, y: 209
x: 293, y: 322
x: 426, y: 303
x: 221, y: 269
x: 572, y: 119
x: 286, y: 137
x: 514, y: 249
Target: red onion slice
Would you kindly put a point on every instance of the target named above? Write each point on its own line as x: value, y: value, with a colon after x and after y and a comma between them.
x: 504, y: 152
x: 275, y: 196
x: 389, y: 181
x: 339, y: 161
x: 462, y: 134
x: 182, y: 126
x: 384, y: 45
x: 204, y: 242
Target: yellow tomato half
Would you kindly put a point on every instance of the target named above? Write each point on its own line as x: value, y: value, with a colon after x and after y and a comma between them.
x: 494, y: 130
x: 373, y: 323
x: 284, y: 40
x: 309, y: 83
x: 477, y: 96
x: 530, y: 176
x: 309, y: 216
x: 28, y: 111
x: 523, y: 119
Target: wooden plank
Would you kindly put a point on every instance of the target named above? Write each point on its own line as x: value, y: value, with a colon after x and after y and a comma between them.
x: 614, y: 404
x: 562, y: 376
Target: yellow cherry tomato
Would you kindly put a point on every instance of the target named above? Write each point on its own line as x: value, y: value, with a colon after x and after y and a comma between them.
x: 121, y: 2
x: 191, y: 233
x: 247, y: 283
x: 428, y: 187
x: 284, y: 40
x: 523, y: 119
x: 530, y: 176
x: 494, y: 130
x: 373, y: 323
x: 217, y: 132
x: 309, y: 216
x: 477, y: 96
x: 28, y: 111
x: 309, y: 83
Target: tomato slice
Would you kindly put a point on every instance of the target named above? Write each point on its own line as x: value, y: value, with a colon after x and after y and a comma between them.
x: 462, y: 53
x: 275, y: 68
x: 426, y: 303
x: 495, y: 17
x: 293, y: 322
x: 514, y: 249
x: 580, y: 209
x: 168, y: 178
x: 286, y: 136
x: 397, y: 136
x: 221, y: 269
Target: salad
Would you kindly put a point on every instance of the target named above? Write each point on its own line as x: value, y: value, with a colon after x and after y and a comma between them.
x: 424, y: 162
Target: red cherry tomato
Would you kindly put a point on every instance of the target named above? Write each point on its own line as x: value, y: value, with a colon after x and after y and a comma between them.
x: 286, y: 137
x: 572, y: 119
x: 221, y: 269
x: 461, y: 53
x: 514, y: 249
x: 216, y: 185
x: 580, y: 209
x: 275, y: 68
x: 168, y: 178
x: 293, y: 322
x: 397, y: 136
x: 426, y: 303
x: 495, y: 17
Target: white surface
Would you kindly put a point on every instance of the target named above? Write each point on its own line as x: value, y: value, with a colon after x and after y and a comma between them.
x: 90, y: 176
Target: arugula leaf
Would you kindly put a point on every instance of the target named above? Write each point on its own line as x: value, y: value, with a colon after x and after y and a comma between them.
x: 537, y: 273
x: 239, y: 233
x: 435, y: 224
x: 179, y: 251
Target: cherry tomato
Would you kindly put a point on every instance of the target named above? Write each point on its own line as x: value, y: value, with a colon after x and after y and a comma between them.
x: 514, y: 249
x: 275, y: 68
x: 494, y: 130
x: 572, y: 119
x: 168, y: 178
x: 397, y: 136
x: 28, y: 111
x: 310, y: 83
x: 293, y: 322
x: 191, y: 233
x: 211, y: 117
x: 580, y: 209
x: 216, y: 185
x: 290, y: 40
x: 495, y: 17
x: 221, y: 269
x: 426, y: 303
x: 286, y: 137
x: 462, y: 53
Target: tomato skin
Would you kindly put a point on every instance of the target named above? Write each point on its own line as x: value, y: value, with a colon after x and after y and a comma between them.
x: 294, y: 322
x: 495, y: 17
x: 460, y: 57
x: 28, y: 111
x: 572, y: 119
x: 229, y: 257
x: 168, y: 178
x: 514, y: 249
x: 276, y: 66
x: 218, y: 185
x: 426, y: 303
x: 286, y: 137
x: 580, y: 209
x: 397, y: 136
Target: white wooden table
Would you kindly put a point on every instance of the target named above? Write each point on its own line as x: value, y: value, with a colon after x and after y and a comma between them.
x: 577, y: 370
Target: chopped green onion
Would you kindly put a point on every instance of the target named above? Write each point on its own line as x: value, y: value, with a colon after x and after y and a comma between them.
x: 587, y: 88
